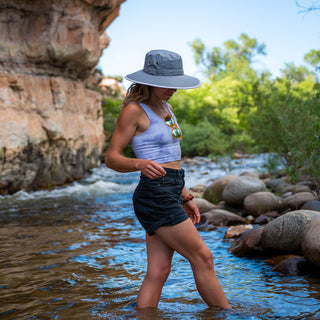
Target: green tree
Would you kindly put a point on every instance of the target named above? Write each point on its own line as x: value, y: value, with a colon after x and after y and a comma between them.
x: 287, y: 122
x: 233, y: 57
x: 313, y: 58
x: 295, y: 73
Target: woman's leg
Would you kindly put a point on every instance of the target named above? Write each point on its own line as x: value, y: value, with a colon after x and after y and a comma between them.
x: 185, y: 239
x: 159, y: 265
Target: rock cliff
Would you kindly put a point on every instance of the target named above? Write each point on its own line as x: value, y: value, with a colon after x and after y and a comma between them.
x: 51, y: 125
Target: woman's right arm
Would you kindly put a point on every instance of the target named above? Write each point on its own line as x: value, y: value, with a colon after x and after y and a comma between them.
x: 126, y: 127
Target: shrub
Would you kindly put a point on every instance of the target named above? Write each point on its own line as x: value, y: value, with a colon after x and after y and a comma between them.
x: 202, y: 139
x: 290, y: 126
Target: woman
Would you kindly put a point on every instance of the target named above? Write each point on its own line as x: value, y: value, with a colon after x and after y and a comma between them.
x: 161, y: 202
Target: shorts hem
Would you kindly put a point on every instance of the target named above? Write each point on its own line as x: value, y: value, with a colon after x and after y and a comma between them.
x: 167, y: 223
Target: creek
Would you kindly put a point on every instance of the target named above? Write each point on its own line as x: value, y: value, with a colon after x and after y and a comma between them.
x: 78, y: 252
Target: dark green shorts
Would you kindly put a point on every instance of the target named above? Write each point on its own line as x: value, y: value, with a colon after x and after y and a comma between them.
x: 157, y: 202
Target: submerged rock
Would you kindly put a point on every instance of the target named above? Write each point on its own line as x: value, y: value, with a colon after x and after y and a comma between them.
x: 292, y: 266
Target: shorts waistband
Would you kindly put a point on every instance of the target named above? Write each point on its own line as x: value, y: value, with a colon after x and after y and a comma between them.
x: 174, y: 172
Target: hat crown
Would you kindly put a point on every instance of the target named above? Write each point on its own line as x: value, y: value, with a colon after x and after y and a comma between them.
x: 163, y: 63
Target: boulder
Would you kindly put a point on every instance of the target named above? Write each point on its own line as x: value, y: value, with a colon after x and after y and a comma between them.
x: 286, y: 232
x: 238, y: 189
x: 261, y: 202
x: 219, y: 217
x: 277, y: 185
x: 295, y: 189
x: 297, y: 200
x: 311, y: 241
x: 313, y: 205
x: 248, y: 242
x: 203, y: 205
x: 214, y: 191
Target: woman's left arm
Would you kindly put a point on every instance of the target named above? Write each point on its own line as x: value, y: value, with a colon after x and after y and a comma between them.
x: 190, y: 207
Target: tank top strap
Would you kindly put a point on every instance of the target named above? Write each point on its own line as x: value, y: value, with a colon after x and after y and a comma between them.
x: 151, y: 115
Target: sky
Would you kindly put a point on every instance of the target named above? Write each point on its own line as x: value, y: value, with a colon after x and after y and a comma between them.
x: 144, y: 25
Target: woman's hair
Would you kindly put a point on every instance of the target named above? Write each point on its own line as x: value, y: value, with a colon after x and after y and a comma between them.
x: 136, y: 92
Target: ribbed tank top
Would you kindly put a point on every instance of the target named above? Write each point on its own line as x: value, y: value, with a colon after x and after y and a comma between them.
x: 156, y: 143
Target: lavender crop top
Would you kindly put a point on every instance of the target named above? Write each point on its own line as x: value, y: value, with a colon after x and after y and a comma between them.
x: 156, y: 143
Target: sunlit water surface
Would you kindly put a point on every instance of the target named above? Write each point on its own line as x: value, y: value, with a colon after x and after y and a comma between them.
x: 78, y: 252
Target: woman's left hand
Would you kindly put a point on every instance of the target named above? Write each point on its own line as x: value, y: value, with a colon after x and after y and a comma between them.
x: 192, y: 210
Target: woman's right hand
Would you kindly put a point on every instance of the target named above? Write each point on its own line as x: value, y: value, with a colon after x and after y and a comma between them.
x: 151, y: 169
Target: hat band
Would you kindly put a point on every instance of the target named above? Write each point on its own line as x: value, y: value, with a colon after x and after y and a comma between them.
x: 163, y: 72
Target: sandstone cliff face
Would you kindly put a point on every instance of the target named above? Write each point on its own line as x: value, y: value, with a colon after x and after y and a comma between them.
x: 51, y: 126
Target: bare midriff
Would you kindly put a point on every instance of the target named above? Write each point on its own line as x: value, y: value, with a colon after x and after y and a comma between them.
x: 172, y: 165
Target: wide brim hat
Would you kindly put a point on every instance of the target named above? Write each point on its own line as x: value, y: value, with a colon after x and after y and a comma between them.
x: 164, y: 69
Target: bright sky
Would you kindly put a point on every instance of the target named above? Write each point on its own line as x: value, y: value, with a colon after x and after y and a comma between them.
x: 144, y: 25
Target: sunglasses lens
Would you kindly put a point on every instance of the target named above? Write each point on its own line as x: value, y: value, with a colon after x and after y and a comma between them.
x: 176, y: 133
x: 169, y: 121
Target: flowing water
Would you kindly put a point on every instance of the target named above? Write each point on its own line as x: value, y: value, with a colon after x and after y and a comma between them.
x: 78, y: 252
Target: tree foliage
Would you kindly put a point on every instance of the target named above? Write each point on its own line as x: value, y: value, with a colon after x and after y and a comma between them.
x: 238, y: 108
x: 251, y: 111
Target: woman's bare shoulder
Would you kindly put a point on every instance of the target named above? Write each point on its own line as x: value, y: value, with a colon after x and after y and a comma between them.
x: 131, y: 114
x: 133, y: 105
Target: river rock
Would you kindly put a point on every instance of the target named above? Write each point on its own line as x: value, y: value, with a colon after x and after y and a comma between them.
x: 311, y: 241
x: 248, y: 242
x: 275, y: 260
x: 250, y: 174
x: 286, y: 232
x: 293, y: 266
x: 297, y: 200
x: 238, y: 189
x: 261, y: 202
x: 219, y: 217
x: 203, y: 205
x: 214, y: 191
x: 276, y: 185
x: 295, y: 189
x: 262, y: 219
x: 272, y: 214
x: 235, y: 231
x: 51, y: 124
x: 313, y: 205
x: 265, y: 176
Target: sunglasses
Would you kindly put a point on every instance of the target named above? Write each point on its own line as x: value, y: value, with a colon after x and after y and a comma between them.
x: 176, y: 132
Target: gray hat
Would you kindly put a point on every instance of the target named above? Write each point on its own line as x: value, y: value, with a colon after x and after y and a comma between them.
x: 163, y: 68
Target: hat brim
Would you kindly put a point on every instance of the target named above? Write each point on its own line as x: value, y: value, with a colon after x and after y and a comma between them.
x: 169, y: 82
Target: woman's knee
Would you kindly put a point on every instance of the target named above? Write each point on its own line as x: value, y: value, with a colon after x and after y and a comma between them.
x: 159, y: 273
x: 205, y: 258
